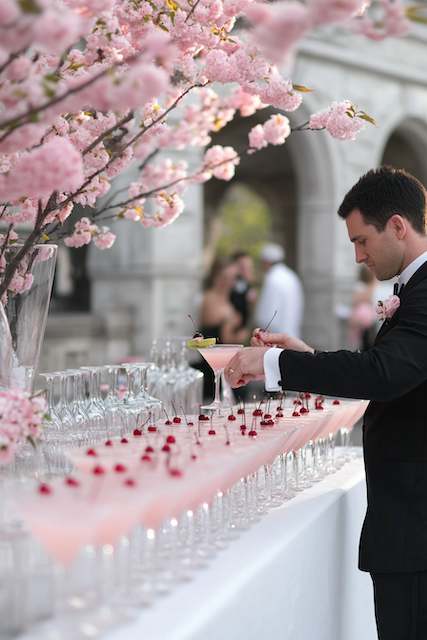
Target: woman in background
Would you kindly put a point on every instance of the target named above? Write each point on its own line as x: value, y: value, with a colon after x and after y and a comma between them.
x: 218, y: 318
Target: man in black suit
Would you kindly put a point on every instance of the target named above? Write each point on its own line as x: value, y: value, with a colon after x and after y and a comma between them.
x: 385, y: 214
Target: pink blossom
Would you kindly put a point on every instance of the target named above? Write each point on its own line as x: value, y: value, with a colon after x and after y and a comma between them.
x: 394, y: 22
x: 55, y: 166
x: 276, y: 129
x: 340, y: 119
x: 23, y: 138
x: 247, y: 103
x: 218, y: 67
x: 55, y: 30
x: 387, y: 308
x: 21, y: 417
x: 330, y: 11
x: 278, y: 27
x: 256, y: 137
x: 105, y: 239
x: 221, y: 162
x: 9, y: 12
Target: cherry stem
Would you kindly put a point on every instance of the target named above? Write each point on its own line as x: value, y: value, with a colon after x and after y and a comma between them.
x: 227, y: 433
x: 174, y: 408
x: 274, y: 315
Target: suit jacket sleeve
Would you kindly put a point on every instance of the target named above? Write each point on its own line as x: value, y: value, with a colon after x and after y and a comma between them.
x: 395, y: 365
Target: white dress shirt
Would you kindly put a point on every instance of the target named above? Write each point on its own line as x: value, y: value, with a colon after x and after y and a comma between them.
x: 282, y: 292
x: 271, y: 357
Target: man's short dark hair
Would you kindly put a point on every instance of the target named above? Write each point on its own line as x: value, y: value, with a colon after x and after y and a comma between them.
x: 383, y: 192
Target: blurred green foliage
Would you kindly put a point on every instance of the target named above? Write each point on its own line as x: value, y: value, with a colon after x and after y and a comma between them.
x: 245, y: 222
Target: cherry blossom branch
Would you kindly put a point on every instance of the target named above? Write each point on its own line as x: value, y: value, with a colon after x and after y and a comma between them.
x: 11, y: 58
x: 151, y: 192
x: 29, y: 115
x: 117, y: 154
x: 301, y: 127
x: 192, y: 10
x: 107, y: 132
x: 28, y: 244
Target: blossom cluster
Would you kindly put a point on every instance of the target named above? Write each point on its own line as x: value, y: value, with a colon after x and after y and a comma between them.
x: 89, y: 87
x: 21, y: 418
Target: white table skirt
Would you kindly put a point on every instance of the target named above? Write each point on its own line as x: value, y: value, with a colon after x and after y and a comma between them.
x: 292, y: 576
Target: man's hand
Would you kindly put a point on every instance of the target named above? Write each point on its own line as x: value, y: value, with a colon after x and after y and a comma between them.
x: 246, y: 365
x: 282, y: 340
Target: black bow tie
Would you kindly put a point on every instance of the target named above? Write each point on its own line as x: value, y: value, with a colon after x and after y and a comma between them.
x: 396, y: 290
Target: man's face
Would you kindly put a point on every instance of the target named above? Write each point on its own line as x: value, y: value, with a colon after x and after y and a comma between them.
x: 381, y: 251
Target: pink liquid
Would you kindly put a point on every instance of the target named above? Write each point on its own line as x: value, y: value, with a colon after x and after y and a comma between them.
x: 218, y: 357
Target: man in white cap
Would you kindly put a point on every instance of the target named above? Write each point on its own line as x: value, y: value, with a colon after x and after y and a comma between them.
x: 281, y: 293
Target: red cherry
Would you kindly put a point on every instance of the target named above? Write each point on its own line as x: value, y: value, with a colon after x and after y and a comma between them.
x: 231, y: 417
x: 137, y: 432
x: 124, y: 440
x: 44, y: 489
x: 108, y: 443
x: 98, y: 470
x: 257, y: 412
x: 296, y: 414
x: 319, y: 407
x: 146, y: 458
x: 120, y: 468
x: 242, y: 427
x: 91, y: 452
x: 252, y: 433
x: 240, y: 411
x: 279, y: 408
x: 190, y: 424
x: 297, y: 401
x: 307, y: 395
x: 168, y: 422
x: 304, y: 410
x: 336, y: 402
x: 152, y: 428
x: 72, y: 482
x: 170, y: 440
x: 129, y: 482
x: 177, y: 420
x: 211, y: 432
x: 203, y: 418
x: 270, y: 422
x: 176, y: 473
x: 279, y: 414
x: 166, y: 447
x: 263, y: 423
x: 149, y: 449
x: 267, y: 416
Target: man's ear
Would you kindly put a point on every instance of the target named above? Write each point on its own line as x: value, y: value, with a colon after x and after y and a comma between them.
x: 399, y: 225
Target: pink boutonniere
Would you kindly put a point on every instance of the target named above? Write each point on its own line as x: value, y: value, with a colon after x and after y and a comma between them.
x: 387, y: 308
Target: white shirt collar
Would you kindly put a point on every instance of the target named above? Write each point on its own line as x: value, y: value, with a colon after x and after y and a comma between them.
x: 412, y: 267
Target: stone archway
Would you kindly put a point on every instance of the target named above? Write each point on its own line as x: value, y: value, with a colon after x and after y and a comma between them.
x: 270, y: 174
x: 299, y: 182
x: 405, y: 148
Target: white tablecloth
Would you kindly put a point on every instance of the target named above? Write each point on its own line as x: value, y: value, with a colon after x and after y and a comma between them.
x: 292, y: 576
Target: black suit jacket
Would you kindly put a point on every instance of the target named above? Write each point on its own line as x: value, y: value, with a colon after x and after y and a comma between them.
x: 393, y: 375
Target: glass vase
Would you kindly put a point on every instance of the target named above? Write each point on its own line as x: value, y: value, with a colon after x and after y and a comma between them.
x: 23, y: 317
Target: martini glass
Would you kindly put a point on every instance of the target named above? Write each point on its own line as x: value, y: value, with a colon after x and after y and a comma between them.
x: 218, y: 356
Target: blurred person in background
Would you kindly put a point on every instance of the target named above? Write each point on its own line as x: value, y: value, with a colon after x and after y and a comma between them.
x: 218, y: 318
x: 243, y: 295
x: 281, y: 292
x: 362, y: 321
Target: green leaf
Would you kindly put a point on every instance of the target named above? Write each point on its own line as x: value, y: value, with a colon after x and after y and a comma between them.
x: 301, y: 88
x: 29, y: 6
x: 365, y: 116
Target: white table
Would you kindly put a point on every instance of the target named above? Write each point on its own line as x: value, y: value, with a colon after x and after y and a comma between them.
x: 292, y: 576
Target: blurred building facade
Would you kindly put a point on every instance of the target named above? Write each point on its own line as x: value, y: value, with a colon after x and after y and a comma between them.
x: 145, y: 286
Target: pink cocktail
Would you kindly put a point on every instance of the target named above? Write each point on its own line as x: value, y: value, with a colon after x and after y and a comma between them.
x: 218, y: 356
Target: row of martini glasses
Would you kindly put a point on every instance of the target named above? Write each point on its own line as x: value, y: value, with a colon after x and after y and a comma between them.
x: 142, y: 512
